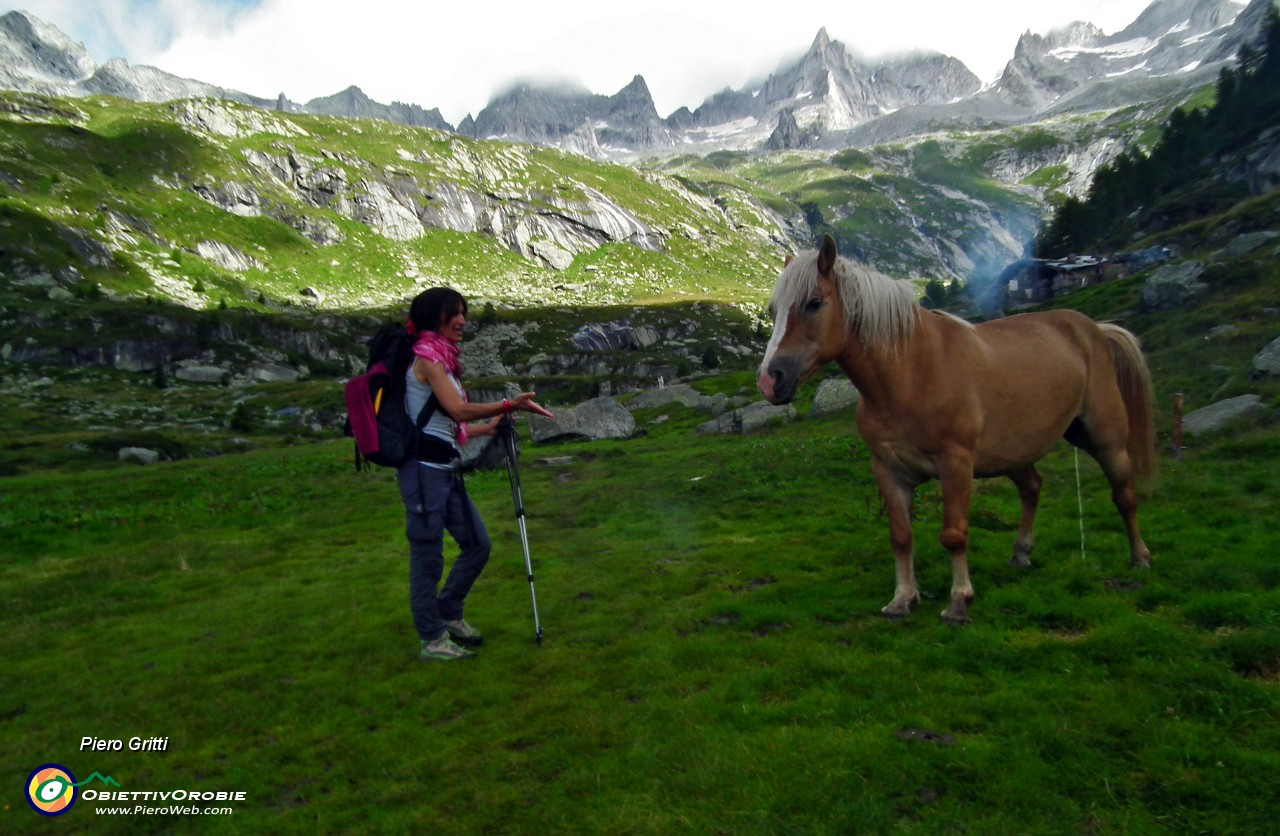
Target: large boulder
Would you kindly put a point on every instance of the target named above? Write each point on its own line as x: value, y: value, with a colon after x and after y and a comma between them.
x: 274, y: 373
x: 1245, y: 244
x: 1267, y: 361
x: 750, y: 418
x: 203, y: 374
x: 1173, y: 286
x: 834, y: 395
x: 1223, y: 414
x: 681, y: 393
x: 141, y: 455
x: 596, y: 419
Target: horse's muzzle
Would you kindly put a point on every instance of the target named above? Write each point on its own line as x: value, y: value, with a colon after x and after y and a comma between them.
x: 778, y: 380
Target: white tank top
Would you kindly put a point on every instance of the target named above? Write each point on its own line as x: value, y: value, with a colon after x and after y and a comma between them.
x: 440, y: 425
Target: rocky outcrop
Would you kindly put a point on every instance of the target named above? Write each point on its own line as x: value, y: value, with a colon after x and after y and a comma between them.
x: 548, y: 228
x: 226, y: 256
x: 220, y: 118
x: 482, y: 355
x: 614, y: 336
x: 255, y: 353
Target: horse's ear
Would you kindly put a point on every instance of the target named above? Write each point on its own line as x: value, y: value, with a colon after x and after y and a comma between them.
x: 827, y: 255
x: 787, y: 261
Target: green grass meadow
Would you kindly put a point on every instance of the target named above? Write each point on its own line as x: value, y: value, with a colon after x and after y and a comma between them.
x: 713, y: 661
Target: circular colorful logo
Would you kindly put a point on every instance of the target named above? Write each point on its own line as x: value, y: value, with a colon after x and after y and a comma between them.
x: 51, y: 790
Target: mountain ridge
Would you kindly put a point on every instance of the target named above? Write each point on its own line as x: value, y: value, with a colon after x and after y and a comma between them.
x: 834, y: 96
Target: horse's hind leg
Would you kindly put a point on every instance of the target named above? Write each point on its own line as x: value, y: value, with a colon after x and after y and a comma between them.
x: 1112, y: 456
x: 898, y: 498
x: 1119, y: 474
x: 1028, y: 483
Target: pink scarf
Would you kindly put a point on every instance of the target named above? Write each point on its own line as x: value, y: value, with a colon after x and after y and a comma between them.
x: 437, y: 349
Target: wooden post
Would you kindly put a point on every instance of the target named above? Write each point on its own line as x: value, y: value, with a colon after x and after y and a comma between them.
x: 1177, y: 425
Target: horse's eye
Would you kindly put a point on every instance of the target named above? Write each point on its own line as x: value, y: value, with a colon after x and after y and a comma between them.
x: 812, y: 306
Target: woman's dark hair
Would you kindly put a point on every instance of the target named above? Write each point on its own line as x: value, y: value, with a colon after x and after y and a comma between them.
x: 432, y: 308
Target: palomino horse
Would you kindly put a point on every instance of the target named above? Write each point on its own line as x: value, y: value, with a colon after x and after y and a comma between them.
x: 944, y: 399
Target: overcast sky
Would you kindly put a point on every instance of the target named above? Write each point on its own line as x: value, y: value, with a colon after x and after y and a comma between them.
x: 456, y: 55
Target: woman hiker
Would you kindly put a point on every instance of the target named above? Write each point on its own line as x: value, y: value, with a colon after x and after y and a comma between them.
x: 435, y: 500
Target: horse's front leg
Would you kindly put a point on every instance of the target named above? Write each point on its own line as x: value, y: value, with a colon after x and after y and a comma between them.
x: 956, y: 475
x: 898, y: 497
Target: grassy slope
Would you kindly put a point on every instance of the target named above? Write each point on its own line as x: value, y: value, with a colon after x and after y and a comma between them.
x: 712, y: 661
x: 74, y: 161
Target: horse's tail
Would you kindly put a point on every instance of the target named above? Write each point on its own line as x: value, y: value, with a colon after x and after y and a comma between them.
x: 1134, y: 379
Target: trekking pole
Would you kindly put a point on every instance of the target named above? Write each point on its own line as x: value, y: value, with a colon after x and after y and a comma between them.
x: 507, y: 429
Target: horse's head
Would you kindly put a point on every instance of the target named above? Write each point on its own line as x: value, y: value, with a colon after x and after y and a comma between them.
x: 808, y: 323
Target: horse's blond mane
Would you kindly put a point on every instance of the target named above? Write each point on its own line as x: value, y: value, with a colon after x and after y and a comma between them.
x: 882, y: 310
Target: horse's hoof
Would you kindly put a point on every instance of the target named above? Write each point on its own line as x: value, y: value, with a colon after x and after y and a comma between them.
x: 956, y: 620
x: 1022, y: 562
x: 893, y: 615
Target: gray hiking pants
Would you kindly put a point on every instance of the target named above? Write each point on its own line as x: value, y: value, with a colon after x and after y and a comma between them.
x: 435, y: 501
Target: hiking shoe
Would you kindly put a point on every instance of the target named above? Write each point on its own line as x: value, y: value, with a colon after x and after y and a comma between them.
x: 443, y: 649
x: 464, y: 634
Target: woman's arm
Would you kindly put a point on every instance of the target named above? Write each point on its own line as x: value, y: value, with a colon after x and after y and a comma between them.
x: 434, y: 375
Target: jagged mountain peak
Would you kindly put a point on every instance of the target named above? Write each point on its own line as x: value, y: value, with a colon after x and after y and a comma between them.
x: 830, y: 90
x: 40, y: 53
x: 1173, y: 43
x: 821, y: 42
x: 635, y: 101
x: 1165, y: 17
x: 352, y: 93
x: 1075, y: 34
x: 636, y: 85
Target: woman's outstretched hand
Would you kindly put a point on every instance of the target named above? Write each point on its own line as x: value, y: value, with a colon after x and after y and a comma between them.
x: 524, y: 403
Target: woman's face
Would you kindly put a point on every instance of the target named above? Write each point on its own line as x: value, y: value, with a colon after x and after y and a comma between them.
x: 451, y: 328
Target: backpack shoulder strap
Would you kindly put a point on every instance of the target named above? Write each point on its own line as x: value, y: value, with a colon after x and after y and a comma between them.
x: 428, y: 409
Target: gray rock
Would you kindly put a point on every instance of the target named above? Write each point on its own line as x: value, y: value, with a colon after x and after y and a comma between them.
x: 681, y: 393
x: 750, y: 418
x: 236, y: 198
x: 202, y: 374
x: 141, y: 455
x: 226, y: 256
x: 1245, y: 244
x: 485, y: 453
x: 1223, y: 414
x: 614, y: 336
x: 274, y: 373
x: 387, y: 210
x: 1173, y: 286
x: 834, y: 395
x: 596, y: 419
x: 1267, y: 361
